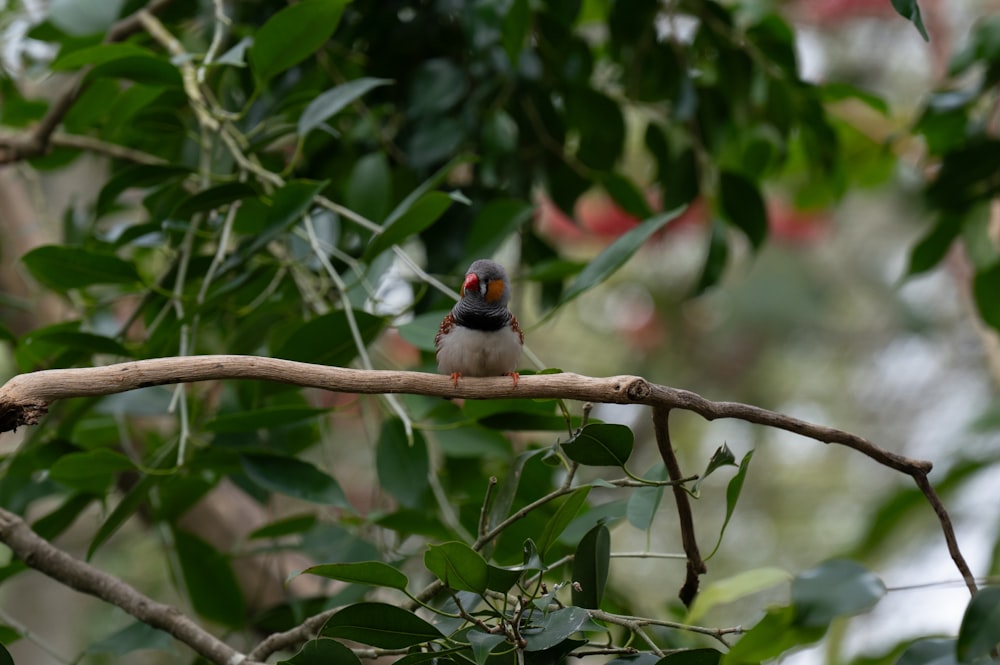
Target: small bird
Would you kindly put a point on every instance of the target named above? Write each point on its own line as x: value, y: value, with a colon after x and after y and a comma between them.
x: 480, y: 336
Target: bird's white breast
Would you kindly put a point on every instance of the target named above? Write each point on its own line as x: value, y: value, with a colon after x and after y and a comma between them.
x: 479, y: 352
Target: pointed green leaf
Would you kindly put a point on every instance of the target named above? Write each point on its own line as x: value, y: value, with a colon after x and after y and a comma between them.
x: 910, y: 10
x: 716, y: 257
x: 601, y: 444
x: 644, y: 501
x: 97, y: 54
x: 372, y: 573
x: 295, y: 478
x: 732, y: 496
x: 483, y: 643
x: 323, y: 651
x: 268, y: 417
x: 502, y: 579
x: 776, y: 633
x: 213, y: 197
x: 722, y: 456
x: 62, y: 268
x: 369, y: 187
x: 555, y: 628
x: 402, y: 469
x: 832, y: 589
x: 933, y: 247
x: 210, y: 581
x: 328, y: 340
x: 590, y: 567
x: 124, y: 510
x: 134, y: 637
x: 704, y: 656
x: 335, y: 100
x: 743, y: 206
x: 980, y: 630
x: 92, y: 471
x: 733, y: 588
x: 292, y: 35
x: 617, y: 253
x: 424, y: 212
x: 567, y: 510
x: 936, y: 651
x: 5, y: 657
x: 457, y: 565
x: 986, y: 289
x: 285, y: 527
x: 380, y: 625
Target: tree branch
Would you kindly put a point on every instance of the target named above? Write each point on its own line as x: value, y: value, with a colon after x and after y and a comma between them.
x: 18, y: 148
x: 695, y: 564
x: 26, y: 398
x: 44, y: 557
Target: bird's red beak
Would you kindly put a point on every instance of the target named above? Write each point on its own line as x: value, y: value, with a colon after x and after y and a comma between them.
x: 471, y: 283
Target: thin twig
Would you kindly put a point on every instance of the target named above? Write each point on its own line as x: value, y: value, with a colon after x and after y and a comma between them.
x: 44, y: 557
x: 695, y: 564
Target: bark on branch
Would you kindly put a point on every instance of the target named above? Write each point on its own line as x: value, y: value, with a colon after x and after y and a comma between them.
x: 26, y: 398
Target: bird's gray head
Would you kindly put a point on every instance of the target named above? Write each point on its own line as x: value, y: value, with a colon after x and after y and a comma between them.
x: 486, y: 284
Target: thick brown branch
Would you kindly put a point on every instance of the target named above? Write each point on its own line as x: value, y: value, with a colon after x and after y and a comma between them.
x: 695, y: 564
x: 44, y: 557
x: 25, y: 399
x: 38, y: 142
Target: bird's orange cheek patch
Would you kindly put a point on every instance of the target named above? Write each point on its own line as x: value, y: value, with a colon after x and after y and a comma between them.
x: 494, y: 290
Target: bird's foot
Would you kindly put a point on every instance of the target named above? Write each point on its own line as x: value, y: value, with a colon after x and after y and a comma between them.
x: 455, y: 376
x: 513, y: 375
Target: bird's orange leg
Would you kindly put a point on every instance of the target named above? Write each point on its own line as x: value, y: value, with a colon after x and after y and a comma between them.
x: 455, y: 376
x: 513, y: 375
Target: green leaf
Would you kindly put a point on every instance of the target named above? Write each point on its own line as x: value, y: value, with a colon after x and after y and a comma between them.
x: 722, y: 456
x: 292, y: 35
x: 483, y: 643
x: 327, y: 339
x: 424, y: 212
x: 369, y: 187
x: 268, y: 417
x: 211, y: 584
x: 285, y: 527
x: 371, y: 573
x: 457, y: 565
x: 496, y: 221
x: 644, y: 501
x: 5, y: 657
x: 616, y: 254
x: 502, y: 579
x: 773, y: 635
x: 986, y: 289
x: 716, y: 257
x: 601, y: 444
x: 980, y: 630
x: 556, y: 627
x: 743, y: 206
x: 323, y: 651
x: 625, y: 193
x: 910, y: 10
x: 833, y: 589
x: 212, y: 198
x: 134, y: 637
x: 402, y: 468
x: 420, y: 330
x: 567, y: 510
x: 144, y: 69
x: 929, y: 652
x: 295, y: 478
x: 733, y: 491
x: 438, y: 85
x: 124, y: 510
x: 97, y: 54
x: 335, y: 100
x: 92, y: 471
x: 77, y: 341
x: 515, y: 29
x: 59, y: 519
x: 590, y: 567
x: 137, y: 175
x: 704, y: 656
x: 733, y: 588
x: 63, y: 268
x: 933, y: 247
x: 380, y: 625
